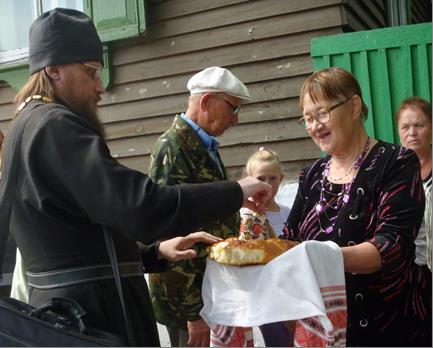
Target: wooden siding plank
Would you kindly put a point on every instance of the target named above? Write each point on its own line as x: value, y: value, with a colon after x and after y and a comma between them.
x: 357, y: 16
x: 259, y: 28
x: 352, y: 21
x: 377, y: 9
x: 172, y: 104
x: 244, y: 53
x: 257, y: 112
x: 169, y: 9
x: 230, y: 15
x: 244, y: 134
x: 251, y: 133
x: 235, y: 157
x: 6, y: 111
x: 367, y: 12
x: 7, y: 94
x: 252, y: 72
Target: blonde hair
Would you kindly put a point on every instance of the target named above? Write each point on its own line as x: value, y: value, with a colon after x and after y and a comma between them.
x: 330, y: 84
x: 263, y: 156
x: 38, y: 84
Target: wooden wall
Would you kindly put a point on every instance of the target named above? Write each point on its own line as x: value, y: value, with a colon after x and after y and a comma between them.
x: 363, y: 15
x: 420, y: 11
x: 266, y: 43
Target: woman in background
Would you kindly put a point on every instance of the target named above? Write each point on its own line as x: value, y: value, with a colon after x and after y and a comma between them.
x: 414, y: 119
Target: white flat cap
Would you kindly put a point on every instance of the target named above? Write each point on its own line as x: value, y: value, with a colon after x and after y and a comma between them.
x: 216, y: 79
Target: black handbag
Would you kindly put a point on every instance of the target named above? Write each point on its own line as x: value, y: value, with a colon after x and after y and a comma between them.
x: 61, y: 322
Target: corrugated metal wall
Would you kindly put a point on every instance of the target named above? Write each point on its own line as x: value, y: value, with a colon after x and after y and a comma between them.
x: 390, y: 64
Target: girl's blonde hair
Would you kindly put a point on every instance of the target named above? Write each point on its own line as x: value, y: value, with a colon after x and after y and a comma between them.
x: 263, y: 156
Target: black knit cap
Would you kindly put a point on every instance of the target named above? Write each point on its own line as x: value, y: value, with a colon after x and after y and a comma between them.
x: 63, y: 36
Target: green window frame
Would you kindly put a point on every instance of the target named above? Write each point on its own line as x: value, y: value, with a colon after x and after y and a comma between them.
x: 114, y: 20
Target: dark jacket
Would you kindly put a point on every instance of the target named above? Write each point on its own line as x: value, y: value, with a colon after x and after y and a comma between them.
x: 68, y: 186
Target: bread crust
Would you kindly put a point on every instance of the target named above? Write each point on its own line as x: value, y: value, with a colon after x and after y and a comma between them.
x: 235, y: 252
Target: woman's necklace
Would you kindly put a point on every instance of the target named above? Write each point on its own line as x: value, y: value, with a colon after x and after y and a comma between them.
x: 343, y: 197
x: 354, y: 166
x: 345, y: 175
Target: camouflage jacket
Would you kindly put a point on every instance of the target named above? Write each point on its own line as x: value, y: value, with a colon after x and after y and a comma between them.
x: 179, y: 156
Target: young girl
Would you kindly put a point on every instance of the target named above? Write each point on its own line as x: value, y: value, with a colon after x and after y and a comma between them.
x: 265, y: 166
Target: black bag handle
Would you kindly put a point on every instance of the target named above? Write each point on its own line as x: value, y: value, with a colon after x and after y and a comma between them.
x: 111, y: 249
x: 65, y: 306
x: 8, y: 182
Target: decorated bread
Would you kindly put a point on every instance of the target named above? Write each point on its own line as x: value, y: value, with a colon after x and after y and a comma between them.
x: 236, y: 252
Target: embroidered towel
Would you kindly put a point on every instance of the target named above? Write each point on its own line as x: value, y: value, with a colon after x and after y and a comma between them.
x: 306, y: 283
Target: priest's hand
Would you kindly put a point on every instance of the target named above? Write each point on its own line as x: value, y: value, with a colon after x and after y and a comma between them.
x: 256, y: 193
x: 178, y: 248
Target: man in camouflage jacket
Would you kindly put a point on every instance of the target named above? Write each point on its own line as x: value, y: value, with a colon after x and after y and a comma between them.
x: 187, y: 153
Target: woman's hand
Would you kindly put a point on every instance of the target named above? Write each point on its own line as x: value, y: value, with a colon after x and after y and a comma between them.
x: 176, y: 249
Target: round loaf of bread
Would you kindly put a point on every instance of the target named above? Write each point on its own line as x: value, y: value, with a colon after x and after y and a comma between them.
x: 233, y: 251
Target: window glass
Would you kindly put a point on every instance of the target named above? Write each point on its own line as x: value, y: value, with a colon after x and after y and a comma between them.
x: 15, y: 19
x: 50, y: 4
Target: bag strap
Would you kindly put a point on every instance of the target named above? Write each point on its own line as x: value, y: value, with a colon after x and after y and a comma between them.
x: 8, y: 182
x: 111, y: 249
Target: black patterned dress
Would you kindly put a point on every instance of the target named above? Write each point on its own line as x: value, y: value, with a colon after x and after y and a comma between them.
x: 391, y: 307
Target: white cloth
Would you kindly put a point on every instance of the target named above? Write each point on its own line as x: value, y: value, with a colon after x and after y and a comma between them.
x: 428, y: 220
x: 423, y: 240
x: 301, y: 283
x: 277, y: 219
x: 20, y: 286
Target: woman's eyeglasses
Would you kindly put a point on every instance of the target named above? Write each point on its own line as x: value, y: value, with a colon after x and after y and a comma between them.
x: 322, y: 116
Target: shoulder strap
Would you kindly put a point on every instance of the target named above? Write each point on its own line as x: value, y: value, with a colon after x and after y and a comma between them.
x: 8, y: 182
x: 115, y: 266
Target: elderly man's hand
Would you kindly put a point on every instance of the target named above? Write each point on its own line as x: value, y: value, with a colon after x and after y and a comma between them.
x: 256, y: 193
x: 176, y: 249
x: 199, y: 333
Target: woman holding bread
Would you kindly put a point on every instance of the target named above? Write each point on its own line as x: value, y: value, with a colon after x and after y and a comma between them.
x: 367, y: 196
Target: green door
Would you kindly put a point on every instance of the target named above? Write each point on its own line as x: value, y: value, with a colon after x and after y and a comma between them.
x: 390, y: 64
